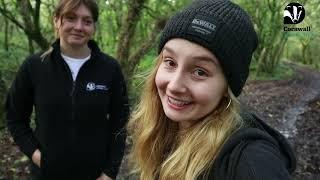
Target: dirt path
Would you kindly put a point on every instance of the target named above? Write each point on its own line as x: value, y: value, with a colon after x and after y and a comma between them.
x: 291, y: 106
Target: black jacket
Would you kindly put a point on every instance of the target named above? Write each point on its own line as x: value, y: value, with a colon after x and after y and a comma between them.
x: 79, y: 125
x: 255, y: 152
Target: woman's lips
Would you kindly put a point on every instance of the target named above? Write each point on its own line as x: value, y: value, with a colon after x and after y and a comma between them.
x: 178, y: 104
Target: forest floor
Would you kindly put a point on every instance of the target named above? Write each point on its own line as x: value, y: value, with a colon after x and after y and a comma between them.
x: 290, y: 106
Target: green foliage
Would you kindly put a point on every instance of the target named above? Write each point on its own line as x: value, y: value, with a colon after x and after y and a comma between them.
x: 137, y: 81
x: 267, y: 16
x: 282, y: 71
x: 9, y: 62
x: 268, y: 20
x: 112, y: 13
x: 303, y: 47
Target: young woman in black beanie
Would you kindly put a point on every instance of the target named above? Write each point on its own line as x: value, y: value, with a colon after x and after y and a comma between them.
x: 189, y: 124
x: 80, y: 102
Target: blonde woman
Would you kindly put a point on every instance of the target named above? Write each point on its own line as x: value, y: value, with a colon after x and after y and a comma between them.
x: 189, y: 124
x: 80, y: 101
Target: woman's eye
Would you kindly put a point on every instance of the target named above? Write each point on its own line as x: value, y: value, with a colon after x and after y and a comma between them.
x: 70, y: 18
x: 200, y: 72
x: 88, y: 22
x: 169, y: 63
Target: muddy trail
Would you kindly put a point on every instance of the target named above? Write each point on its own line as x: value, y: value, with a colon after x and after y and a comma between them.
x: 290, y: 106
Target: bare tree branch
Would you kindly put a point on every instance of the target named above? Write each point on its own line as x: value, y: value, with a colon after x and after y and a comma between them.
x: 8, y: 15
x: 148, y: 44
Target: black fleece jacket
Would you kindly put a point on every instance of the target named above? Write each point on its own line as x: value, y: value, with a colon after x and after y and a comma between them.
x: 255, y: 152
x: 79, y: 124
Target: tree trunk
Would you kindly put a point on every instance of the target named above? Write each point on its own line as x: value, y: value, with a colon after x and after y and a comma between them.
x: 30, y: 18
x: 31, y: 48
x: 127, y: 31
x: 149, y: 43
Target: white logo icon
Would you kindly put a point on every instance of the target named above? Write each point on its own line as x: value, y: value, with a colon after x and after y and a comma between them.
x: 91, y: 86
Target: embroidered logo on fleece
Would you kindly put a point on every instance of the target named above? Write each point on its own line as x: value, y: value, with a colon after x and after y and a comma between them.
x: 91, y: 86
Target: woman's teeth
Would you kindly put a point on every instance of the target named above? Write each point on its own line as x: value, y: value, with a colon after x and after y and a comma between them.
x: 178, y: 102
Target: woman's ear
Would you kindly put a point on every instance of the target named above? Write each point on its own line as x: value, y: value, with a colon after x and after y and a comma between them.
x: 56, y: 22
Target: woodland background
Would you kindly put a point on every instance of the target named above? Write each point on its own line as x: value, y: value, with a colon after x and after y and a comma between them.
x: 129, y: 31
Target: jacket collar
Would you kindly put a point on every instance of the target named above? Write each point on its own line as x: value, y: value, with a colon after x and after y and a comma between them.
x: 91, y: 44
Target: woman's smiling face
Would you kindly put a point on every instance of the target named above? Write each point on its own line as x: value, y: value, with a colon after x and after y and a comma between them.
x: 75, y: 28
x: 190, y: 81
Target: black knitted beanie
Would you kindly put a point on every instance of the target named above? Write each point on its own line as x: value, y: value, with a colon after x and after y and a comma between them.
x: 222, y: 27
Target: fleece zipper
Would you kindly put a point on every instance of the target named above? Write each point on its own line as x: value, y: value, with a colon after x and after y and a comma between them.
x: 72, y: 130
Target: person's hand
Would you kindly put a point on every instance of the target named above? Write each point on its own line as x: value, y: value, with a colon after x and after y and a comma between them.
x: 103, y: 176
x: 36, y: 157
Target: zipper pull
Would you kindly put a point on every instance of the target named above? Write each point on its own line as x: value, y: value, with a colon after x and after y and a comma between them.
x: 73, y: 88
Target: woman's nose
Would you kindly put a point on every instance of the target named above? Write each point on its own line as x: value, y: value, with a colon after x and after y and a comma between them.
x: 78, y: 25
x: 177, y: 83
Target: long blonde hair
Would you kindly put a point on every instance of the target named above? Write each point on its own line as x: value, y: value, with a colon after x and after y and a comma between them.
x: 159, y: 151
